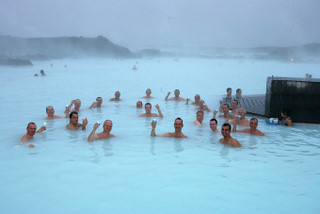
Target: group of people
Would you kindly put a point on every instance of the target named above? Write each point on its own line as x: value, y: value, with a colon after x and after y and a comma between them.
x: 233, y: 116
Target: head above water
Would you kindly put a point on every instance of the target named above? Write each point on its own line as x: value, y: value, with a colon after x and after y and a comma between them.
x: 148, y: 107
x: 139, y: 104
x: 99, y: 100
x: 197, y: 98
x: 213, y: 124
x: 229, y: 91
x: 50, y: 110
x: 178, y: 124
x: 176, y: 93
x: 200, y: 116
x: 148, y: 92
x: 117, y: 94
x: 238, y: 92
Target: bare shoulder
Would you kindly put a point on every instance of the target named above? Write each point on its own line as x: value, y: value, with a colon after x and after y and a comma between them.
x: 235, y: 143
x: 166, y: 135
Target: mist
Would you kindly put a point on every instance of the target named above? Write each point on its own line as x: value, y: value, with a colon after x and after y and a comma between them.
x: 153, y: 24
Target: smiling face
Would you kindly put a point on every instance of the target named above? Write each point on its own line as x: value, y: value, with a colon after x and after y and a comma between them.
x: 225, y: 109
x: 225, y: 131
x: 74, y: 119
x: 200, y: 116
x: 148, y: 108
x: 241, y: 113
x: 213, y: 125
x: 31, y: 129
x: 107, y: 126
x: 253, y: 124
x: 178, y: 124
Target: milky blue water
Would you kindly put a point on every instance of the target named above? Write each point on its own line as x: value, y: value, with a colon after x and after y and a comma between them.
x: 135, y: 173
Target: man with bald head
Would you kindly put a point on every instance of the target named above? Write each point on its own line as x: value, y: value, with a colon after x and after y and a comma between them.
x: 107, y: 127
x: 116, y: 96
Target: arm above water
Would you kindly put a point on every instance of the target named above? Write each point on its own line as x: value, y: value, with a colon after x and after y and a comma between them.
x: 166, y: 98
x: 93, y: 105
x: 92, y: 135
x: 84, y: 123
x: 159, y: 111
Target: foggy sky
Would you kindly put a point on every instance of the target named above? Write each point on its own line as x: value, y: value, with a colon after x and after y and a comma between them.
x: 151, y: 23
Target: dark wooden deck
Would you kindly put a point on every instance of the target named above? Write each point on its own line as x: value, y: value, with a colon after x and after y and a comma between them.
x: 253, y: 104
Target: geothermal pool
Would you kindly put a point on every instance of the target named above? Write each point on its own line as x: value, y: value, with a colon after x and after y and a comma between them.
x: 135, y: 173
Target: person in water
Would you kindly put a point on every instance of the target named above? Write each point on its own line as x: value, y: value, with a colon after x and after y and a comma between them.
x: 214, y: 125
x: 148, y: 108
x: 252, y: 130
x: 50, y: 112
x: 285, y: 118
x: 238, y: 94
x: 176, y: 96
x: 42, y: 73
x: 199, y: 118
x: 148, y: 94
x: 196, y: 100
x: 107, y: 127
x: 234, y: 106
x: 116, y: 96
x: 139, y: 104
x: 178, y: 124
x: 203, y: 107
x: 243, y: 120
x: 77, y: 105
x: 226, y: 112
x: 74, y: 124
x: 97, y: 104
x: 227, y: 139
x: 31, y: 131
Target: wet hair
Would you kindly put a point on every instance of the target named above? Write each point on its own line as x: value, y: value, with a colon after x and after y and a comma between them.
x: 98, y: 98
x: 148, y: 89
x: 213, y: 119
x: 30, y: 124
x: 227, y: 105
x: 200, y: 111
x: 178, y: 118
x: 48, y: 107
x: 227, y: 124
x: 254, y: 119
x: 72, y: 113
x: 229, y: 89
x: 177, y: 90
x: 148, y: 104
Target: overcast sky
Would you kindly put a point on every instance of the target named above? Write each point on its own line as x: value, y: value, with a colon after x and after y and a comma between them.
x: 154, y: 23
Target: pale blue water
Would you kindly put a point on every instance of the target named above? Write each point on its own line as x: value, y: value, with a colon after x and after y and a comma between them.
x: 134, y: 173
